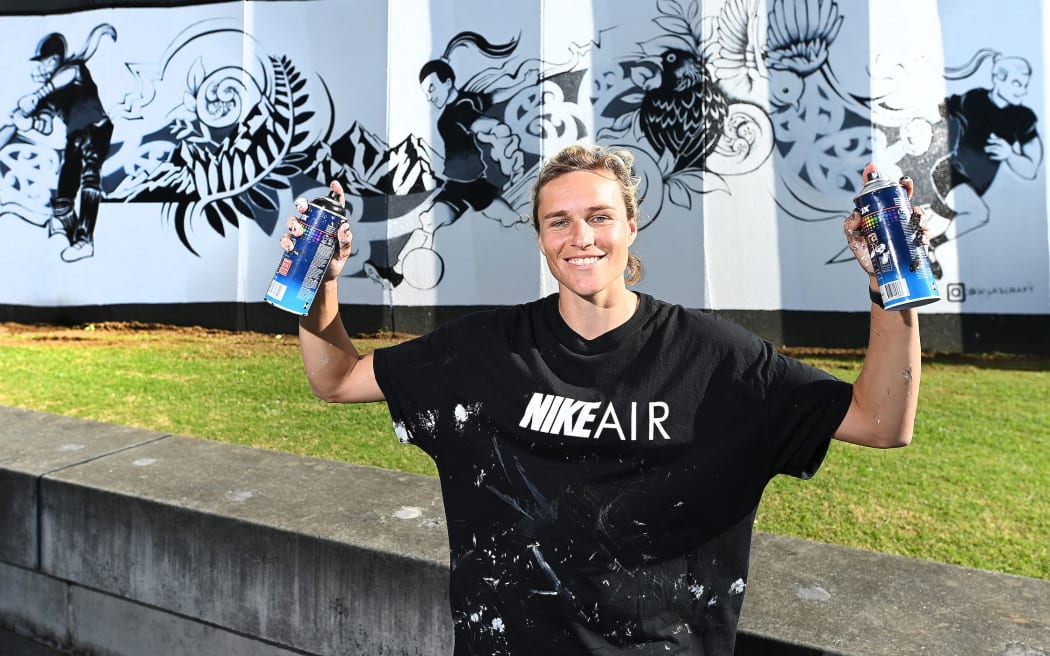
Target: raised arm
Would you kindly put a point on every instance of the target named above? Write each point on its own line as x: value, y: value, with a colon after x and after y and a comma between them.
x: 336, y: 371
x: 886, y: 393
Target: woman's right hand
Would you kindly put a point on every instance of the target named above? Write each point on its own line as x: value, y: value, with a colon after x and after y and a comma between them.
x: 343, y: 235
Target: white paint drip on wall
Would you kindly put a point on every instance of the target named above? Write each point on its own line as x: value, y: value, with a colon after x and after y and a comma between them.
x: 812, y: 593
x: 239, y: 495
x: 144, y: 462
x: 408, y: 512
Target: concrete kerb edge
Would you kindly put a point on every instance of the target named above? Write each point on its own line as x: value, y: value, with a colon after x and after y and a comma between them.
x: 57, y: 470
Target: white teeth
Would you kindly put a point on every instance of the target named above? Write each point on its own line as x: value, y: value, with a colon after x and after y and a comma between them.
x: 582, y: 261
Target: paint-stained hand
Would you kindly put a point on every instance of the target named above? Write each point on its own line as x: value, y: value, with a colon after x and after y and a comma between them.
x: 295, y: 230
x: 855, y: 237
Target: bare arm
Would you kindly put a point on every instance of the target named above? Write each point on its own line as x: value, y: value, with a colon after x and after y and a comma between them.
x: 1024, y: 160
x: 886, y: 393
x: 336, y: 371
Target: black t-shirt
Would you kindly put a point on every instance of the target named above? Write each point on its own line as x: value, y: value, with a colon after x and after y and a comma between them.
x: 977, y: 118
x: 600, y: 494
x: 463, y: 156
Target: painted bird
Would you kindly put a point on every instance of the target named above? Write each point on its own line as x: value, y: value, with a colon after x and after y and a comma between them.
x: 682, y: 118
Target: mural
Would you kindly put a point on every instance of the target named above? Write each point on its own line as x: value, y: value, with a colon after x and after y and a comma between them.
x: 751, y: 120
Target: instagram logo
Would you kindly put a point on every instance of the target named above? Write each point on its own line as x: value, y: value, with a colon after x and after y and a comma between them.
x: 956, y: 292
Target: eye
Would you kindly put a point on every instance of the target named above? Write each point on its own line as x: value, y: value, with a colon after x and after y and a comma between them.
x: 671, y: 58
x: 600, y: 218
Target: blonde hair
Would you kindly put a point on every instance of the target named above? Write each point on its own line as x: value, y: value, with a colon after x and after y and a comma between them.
x: 595, y: 158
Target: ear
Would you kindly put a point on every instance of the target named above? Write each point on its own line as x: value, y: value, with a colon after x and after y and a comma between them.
x: 632, y: 229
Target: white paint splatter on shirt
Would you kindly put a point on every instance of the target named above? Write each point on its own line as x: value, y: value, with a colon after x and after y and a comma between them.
x: 428, y: 420
x: 737, y: 587
x: 464, y: 413
x: 461, y: 416
x: 402, y: 433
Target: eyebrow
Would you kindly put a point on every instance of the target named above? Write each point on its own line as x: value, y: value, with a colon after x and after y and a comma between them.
x: 590, y: 210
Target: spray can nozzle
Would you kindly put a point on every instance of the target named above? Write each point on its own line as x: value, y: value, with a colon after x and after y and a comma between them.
x: 330, y: 203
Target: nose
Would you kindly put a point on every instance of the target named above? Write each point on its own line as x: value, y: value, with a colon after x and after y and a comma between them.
x: 582, y: 234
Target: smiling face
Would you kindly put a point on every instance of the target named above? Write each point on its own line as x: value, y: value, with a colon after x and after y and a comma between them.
x: 585, y: 234
x: 1010, y: 83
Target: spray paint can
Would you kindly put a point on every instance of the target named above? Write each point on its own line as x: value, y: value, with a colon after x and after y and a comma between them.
x: 301, y: 271
x: 901, y: 265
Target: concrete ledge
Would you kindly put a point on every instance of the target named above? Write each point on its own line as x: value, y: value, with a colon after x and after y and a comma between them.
x: 849, y: 601
x: 138, y: 541
x: 33, y: 445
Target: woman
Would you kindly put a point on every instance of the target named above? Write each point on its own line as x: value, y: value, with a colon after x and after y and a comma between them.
x: 602, y: 453
x: 481, y: 154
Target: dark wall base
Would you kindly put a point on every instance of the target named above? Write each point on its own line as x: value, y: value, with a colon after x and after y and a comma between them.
x: 949, y: 333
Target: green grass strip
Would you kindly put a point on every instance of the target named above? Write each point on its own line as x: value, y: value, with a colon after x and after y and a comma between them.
x: 973, y: 489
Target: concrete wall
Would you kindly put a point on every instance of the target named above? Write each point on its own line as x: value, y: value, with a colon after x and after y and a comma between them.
x: 116, y: 540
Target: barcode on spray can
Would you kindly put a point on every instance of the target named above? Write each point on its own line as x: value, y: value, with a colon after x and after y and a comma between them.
x: 893, y: 290
x: 276, y: 290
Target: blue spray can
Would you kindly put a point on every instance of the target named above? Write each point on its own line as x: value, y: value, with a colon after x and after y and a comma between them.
x: 901, y: 265
x: 301, y: 271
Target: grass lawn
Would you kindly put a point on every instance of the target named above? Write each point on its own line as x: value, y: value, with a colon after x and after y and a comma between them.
x: 973, y: 489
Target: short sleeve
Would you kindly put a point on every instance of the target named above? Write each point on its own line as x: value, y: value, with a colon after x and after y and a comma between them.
x: 1028, y: 131
x: 410, y: 376
x: 802, y: 405
x: 805, y: 407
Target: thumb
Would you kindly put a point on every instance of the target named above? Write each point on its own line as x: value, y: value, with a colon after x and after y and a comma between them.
x: 908, y: 184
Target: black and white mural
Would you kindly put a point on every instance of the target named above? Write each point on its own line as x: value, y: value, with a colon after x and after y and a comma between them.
x: 158, y: 164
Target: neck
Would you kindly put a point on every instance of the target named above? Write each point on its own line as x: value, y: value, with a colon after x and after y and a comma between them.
x: 593, y: 317
x: 998, y: 100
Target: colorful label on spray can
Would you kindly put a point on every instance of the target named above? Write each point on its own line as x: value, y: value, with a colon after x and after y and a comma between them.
x: 300, y: 272
x: 901, y: 265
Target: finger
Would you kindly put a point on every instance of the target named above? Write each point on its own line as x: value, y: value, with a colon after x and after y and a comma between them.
x: 923, y: 229
x: 295, y: 227
x: 918, y: 217
x: 852, y: 222
x: 287, y: 243
x: 343, y: 234
x: 870, y: 172
x: 908, y: 184
x: 338, y: 189
x: 301, y: 205
x: 345, y: 239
